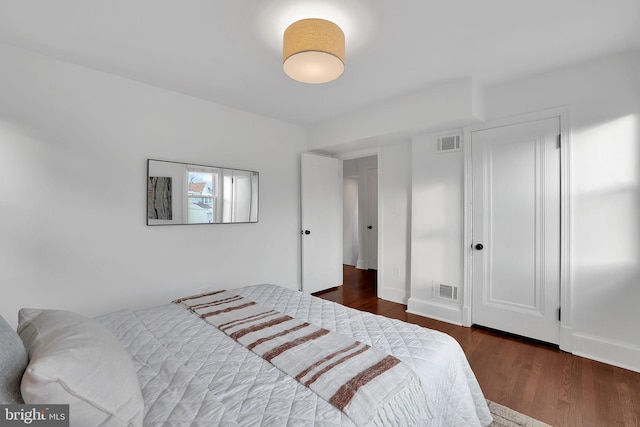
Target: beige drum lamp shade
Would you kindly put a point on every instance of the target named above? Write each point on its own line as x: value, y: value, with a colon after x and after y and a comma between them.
x: 313, y: 51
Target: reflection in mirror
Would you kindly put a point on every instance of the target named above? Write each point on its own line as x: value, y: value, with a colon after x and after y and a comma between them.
x: 181, y: 193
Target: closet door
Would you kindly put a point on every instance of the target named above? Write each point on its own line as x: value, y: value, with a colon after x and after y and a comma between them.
x: 516, y: 228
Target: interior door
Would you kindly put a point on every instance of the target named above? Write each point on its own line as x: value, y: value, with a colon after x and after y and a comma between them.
x: 371, y: 232
x: 516, y: 228
x: 321, y: 198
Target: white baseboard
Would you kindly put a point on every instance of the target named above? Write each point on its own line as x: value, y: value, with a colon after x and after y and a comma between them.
x: 434, y: 310
x: 566, y: 339
x: 394, y: 295
x: 616, y: 353
x: 466, y: 316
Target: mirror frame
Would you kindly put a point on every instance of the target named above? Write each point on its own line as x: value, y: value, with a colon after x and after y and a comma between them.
x: 177, y: 205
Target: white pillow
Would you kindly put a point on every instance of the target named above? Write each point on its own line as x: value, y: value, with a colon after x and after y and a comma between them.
x: 76, y: 360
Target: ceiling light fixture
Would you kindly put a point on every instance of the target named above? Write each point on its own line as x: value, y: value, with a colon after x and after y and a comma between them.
x: 313, y: 51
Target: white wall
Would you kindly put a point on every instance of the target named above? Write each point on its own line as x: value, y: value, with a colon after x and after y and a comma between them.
x: 395, y: 222
x: 437, y: 226
x: 451, y: 103
x: 73, y: 150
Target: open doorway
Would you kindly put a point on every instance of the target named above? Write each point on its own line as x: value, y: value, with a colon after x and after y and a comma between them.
x: 360, y: 212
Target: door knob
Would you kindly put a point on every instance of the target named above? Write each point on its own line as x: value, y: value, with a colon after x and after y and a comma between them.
x: 305, y: 232
x: 479, y: 246
x: 370, y: 227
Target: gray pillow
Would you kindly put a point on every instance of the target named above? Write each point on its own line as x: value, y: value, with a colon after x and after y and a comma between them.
x: 13, y: 361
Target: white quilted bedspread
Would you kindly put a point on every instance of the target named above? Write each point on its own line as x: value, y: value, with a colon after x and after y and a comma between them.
x: 192, y: 374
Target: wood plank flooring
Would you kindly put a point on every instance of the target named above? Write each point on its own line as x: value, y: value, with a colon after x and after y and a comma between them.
x: 533, y: 378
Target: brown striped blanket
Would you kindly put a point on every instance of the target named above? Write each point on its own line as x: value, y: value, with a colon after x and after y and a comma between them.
x: 369, y: 386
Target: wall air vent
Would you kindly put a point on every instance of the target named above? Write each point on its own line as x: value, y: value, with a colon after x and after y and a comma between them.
x: 449, y: 143
x: 448, y: 292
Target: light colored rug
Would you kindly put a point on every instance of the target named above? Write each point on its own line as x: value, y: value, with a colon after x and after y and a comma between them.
x: 505, y: 417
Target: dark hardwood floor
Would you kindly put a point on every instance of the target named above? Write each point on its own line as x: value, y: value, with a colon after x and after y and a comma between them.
x: 533, y: 378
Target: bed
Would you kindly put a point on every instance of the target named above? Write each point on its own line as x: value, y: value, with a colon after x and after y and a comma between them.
x: 182, y: 370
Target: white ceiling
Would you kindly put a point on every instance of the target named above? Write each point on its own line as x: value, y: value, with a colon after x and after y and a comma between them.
x: 229, y: 51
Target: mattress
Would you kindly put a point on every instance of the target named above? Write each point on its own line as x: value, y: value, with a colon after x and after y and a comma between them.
x: 190, y: 373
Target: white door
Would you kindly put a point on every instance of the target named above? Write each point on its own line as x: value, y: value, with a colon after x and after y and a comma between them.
x: 371, y: 221
x: 516, y: 228
x: 321, y: 198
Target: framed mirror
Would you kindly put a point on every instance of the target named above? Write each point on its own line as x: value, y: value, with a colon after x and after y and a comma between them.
x: 183, y: 193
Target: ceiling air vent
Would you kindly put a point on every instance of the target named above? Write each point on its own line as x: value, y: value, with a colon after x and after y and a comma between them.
x: 448, y: 292
x: 448, y: 143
